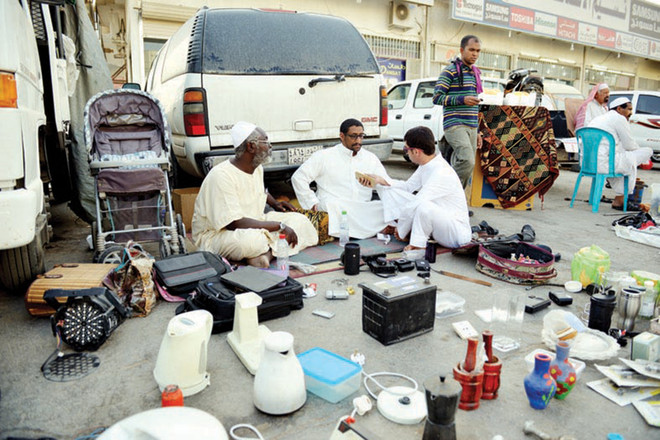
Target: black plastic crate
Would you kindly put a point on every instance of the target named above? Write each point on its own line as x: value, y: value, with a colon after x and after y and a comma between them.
x: 393, y: 313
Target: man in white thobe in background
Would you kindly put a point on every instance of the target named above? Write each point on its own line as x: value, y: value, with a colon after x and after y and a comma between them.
x: 229, y: 214
x: 337, y: 188
x: 595, y: 105
x: 439, y: 208
x: 627, y: 156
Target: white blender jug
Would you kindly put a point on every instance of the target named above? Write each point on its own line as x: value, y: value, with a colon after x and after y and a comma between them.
x: 279, y: 385
x: 182, y: 357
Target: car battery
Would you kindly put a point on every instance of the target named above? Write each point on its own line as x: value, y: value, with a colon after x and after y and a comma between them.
x: 397, y: 309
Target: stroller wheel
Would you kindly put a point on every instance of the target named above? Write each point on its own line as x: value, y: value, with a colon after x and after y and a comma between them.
x: 182, y: 245
x: 111, y: 255
x: 180, y: 227
x: 164, y: 248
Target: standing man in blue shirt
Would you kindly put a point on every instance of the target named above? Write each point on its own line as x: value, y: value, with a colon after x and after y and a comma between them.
x: 457, y: 92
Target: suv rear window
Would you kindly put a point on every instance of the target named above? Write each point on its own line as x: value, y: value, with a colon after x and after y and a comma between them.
x: 251, y: 42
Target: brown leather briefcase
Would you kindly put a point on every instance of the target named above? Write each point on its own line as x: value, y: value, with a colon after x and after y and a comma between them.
x: 63, y: 276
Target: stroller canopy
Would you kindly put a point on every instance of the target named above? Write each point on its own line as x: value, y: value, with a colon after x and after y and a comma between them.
x: 124, y: 109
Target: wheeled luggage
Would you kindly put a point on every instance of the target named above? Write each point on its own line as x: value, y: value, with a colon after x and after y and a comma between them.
x: 218, y: 298
x: 64, y: 276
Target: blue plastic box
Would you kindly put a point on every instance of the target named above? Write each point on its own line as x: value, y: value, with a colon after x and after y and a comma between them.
x: 328, y: 375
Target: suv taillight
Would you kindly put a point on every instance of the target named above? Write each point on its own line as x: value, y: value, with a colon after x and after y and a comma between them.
x: 383, y: 106
x: 8, y: 94
x: 194, y: 112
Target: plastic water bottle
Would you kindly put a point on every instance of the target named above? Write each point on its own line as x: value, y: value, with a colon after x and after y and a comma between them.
x: 648, y: 300
x: 343, y: 229
x: 283, y: 255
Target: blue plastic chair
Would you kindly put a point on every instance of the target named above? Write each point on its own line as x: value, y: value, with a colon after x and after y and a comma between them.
x: 589, y: 139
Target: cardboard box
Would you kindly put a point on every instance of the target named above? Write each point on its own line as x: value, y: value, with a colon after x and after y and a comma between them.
x: 183, y: 200
x: 481, y: 194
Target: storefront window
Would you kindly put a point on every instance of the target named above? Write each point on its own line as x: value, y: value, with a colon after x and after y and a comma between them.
x: 494, y: 65
x: 615, y: 80
x: 552, y: 70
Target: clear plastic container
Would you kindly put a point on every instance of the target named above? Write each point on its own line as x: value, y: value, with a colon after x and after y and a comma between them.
x: 343, y: 229
x: 329, y: 375
x: 448, y: 304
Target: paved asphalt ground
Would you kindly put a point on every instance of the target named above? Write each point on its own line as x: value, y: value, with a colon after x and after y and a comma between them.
x: 123, y: 385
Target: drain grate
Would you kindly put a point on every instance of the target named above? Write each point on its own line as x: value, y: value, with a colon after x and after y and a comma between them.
x: 71, y: 366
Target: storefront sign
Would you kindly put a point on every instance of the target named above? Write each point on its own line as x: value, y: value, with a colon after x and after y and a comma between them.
x: 392, y: 68
x: 631, y: 26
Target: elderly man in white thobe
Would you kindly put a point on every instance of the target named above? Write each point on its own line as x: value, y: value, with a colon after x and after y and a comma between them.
x: 438, y: 209
x: 337, y: 188
x: 229, y: 216
x: 628, y: 155
x: 595, y: 105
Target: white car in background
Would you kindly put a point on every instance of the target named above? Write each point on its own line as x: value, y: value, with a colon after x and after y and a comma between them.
x: 645, y: 120
x: 410, y: 104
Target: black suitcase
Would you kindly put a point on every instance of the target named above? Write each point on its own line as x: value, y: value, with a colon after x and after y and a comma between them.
x: 179, y: 274
x: 218, y: 298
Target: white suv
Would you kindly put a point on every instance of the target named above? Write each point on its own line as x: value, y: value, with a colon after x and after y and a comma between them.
x: 296, y: 75
x: 645, y: 120
x: 410, y: 104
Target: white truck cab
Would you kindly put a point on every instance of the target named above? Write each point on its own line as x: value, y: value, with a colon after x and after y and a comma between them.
x: 25, y: 130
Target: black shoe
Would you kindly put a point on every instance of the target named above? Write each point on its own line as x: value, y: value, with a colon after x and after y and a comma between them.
x: 470, y: 213
x: 528, y: 234
x: 488, y: 228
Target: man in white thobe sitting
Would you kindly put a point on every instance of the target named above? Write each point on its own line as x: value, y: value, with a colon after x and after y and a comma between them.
x: 337, y: 188
x: 229, y: 216
x: 438, y: 209
x: 627, y: 156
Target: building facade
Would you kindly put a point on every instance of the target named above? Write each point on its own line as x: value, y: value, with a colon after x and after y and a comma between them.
x: 588, y: 42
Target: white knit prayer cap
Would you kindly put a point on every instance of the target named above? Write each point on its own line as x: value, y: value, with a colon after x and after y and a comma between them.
x: 603, y: 86
x: 240, y: 131
x: 619, y: 101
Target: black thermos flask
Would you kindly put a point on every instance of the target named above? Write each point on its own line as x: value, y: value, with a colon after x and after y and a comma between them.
x: 352, y: 259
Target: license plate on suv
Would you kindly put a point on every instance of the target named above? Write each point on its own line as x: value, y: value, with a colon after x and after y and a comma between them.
x: 298, y: 155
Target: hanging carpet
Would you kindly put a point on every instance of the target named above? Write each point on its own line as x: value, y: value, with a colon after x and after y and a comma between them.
x: 518, y: 154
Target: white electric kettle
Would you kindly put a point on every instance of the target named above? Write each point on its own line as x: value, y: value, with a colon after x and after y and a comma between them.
x: 183, y: 353
x: 279, y: 385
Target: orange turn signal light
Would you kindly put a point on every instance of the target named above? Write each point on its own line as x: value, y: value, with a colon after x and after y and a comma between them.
x: 8, y: 93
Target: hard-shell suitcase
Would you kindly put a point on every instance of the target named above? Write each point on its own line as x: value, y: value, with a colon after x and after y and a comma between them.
x: 218, y: 298
x: 64, y: 276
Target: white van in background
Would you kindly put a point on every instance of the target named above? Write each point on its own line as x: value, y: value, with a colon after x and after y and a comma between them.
x: 296, y: 75
x: 645, y: 119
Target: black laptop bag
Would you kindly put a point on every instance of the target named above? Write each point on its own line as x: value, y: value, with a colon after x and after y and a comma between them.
x: 217, y: 297
x: 179, y: 274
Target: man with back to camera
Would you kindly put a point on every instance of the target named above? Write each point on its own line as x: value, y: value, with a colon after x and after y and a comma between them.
x: 333, y: 169
x: 457, y: 91
x: 627, y: 156
x: 438, y: 209
x: 229, y: 214
x: 595, y: 105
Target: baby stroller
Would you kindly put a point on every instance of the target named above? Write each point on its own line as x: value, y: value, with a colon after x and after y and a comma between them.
x: 128, y: 141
